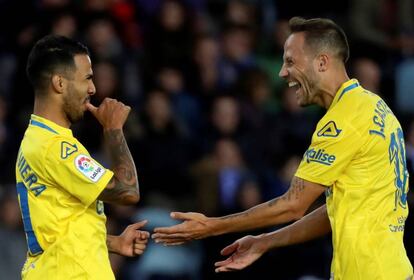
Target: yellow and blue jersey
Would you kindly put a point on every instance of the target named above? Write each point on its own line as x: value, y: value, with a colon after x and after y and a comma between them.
x: 358, y: 152
x: 58, y: 184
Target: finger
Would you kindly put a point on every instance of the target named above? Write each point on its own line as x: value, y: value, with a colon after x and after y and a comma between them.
x: 175, y: 243
x: 137, y: 225
x: 91, y: 108
x: 171, y: 241
x: 168, y: 230
x: 139, y: 240
x: 223, y: 263
x: 139, y: 246
x: 229, y: 249
x: 138, y: 252
x: 167, y: 241
x: 144, y: 235
x: 180, y: 215
x: 169, y: 235
x: 225, y: 269
x: 108, y: 99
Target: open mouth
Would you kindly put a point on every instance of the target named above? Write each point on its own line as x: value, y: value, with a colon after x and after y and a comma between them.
x: 295, y: 85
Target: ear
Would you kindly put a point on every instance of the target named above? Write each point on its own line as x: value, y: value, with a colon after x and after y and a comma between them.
x: 323, y: 62
x: 58, y: 83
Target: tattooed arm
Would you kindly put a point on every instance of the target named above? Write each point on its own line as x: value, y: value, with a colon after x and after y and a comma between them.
x: 123, y: 187
x: 248, y: 249
x: 288, y: 207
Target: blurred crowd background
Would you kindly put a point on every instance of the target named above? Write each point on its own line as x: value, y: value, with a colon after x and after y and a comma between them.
x: 213, y: 128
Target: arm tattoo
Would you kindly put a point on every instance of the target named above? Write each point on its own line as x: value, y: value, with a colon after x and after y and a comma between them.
x: 296, y: 187
x: 125, y: 182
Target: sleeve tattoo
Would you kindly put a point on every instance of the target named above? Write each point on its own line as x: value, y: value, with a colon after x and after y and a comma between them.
x: 125, y: 181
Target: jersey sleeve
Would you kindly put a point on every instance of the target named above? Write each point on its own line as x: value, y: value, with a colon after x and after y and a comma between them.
x: 69, y: 165
x: 333, y: 146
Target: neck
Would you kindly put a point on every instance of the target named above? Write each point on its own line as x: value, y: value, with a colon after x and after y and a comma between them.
x: 47, y: 108
x: 330, y: 88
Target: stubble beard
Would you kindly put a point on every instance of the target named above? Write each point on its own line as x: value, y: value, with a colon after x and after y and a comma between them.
x: 72, y: 110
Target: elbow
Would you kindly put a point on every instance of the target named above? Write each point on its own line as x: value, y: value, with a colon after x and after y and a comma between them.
x: 131, y: 198
x: 295, y: 212
x: 297, y: 215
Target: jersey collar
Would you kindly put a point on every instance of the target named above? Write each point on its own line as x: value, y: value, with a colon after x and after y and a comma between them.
x: 49, y: 126
x: 345, y: 88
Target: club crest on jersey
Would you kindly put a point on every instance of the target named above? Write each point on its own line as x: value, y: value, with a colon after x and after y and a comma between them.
x: 329, y: 130
x: 319, y: 156
x: 89, y: 167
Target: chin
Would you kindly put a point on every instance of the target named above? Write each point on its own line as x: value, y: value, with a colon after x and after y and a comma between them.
x: 75, y: 119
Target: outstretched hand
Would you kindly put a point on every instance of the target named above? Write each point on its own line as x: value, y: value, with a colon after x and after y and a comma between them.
x: 132, y: 241
x: 243, y: 253
x: 194, y: 226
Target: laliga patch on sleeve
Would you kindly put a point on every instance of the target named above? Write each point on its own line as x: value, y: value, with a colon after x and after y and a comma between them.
x: 89, y: 168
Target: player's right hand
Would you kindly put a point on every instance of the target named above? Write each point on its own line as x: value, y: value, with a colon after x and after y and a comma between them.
x: 111, y: 113
x: 194, y: 226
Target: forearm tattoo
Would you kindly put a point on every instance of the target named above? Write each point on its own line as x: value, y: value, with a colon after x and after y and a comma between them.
x: 125, y: 177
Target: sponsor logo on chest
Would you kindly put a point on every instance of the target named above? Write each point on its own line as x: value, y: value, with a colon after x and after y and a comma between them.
x: 319, y: 156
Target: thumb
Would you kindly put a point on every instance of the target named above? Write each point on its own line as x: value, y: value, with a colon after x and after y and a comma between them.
x: 91, y: 108
x: 144, y: 235
x: 138, y: 225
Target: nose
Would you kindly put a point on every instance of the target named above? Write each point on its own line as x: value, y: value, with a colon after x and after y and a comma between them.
x: 283, y: 73
x: 91, y: 89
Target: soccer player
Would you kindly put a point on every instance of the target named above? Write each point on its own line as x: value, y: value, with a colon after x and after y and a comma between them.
x: 61, y: 188
x: 356, y: 157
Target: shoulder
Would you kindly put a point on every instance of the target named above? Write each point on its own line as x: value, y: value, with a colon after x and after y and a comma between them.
x: 63, y: 147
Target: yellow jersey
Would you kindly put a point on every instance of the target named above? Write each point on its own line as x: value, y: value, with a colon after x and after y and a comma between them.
x: 58, y: 184
x: 358, y: 152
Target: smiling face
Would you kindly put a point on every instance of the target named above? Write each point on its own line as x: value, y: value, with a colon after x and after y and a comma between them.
x: 299, y: 69
x: 79, y: 89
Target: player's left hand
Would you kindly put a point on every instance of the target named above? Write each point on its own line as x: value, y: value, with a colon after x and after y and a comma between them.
x: 243, y: 253
x: 132, y: 242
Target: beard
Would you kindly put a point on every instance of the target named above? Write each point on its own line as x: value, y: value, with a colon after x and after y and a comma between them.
x: 72, y: 113
x: 72, y: 106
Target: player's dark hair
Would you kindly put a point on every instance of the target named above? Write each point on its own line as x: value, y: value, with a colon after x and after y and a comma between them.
x: 322, y: 34
x: 50, y: 55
